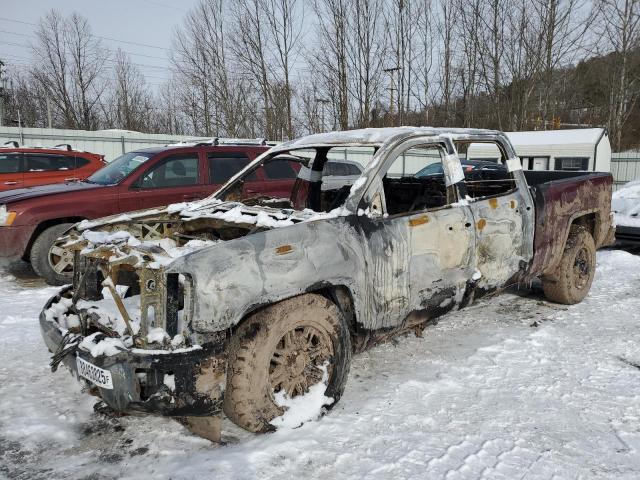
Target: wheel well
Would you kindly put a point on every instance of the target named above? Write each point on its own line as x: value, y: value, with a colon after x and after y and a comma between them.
x: 43, y: 226
x: 338, y: 294
x: 587, y: 221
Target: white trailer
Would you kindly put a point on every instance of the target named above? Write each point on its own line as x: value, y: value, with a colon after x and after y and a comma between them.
x: 577, y: 149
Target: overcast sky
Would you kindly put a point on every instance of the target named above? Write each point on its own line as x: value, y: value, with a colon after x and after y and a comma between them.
x: 148, y: 22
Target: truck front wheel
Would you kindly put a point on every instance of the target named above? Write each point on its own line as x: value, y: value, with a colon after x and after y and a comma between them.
x: 286, y: 347
x: 571, y: 281
x: 49, y: 261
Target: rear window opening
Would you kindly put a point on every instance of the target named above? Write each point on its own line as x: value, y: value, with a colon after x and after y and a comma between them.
x: 486, y: 175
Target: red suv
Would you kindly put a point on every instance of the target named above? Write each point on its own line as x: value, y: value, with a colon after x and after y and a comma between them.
x: 27, y: 167
x: 32, y: 219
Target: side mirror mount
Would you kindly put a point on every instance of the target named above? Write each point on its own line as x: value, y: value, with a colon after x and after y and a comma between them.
x: 375, y: 209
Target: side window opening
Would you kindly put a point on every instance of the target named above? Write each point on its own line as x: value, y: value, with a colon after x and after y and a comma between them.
x: 485, y: 171
x: 224, y: 165
x: 279, y: 170
x: 175, y: 171
x: 81, y: 162
x: 415, y: 181
x: 325, y: 180
x: 10, y: 163
x: 39, y: 162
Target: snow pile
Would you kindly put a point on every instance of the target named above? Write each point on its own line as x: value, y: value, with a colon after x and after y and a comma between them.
x: 625, y: 204
x: 108, y: 312
x: 302, y: 408
x: 97, y: 345
x: 157, y: 335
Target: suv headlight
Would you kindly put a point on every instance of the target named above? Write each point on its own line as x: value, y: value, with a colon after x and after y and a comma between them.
x: 6, y: 217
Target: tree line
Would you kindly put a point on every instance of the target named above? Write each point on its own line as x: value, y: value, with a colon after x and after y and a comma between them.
x: 283, y: 68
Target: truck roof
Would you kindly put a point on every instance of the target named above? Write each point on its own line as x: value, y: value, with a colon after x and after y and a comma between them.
x: 375, y: 136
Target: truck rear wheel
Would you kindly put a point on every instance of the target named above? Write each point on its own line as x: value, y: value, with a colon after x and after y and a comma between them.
x: 285, y: 347
x: 571, y: 281
x: 49, y: 261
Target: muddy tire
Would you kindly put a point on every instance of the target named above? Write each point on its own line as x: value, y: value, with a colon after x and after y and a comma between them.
x: 280, y: 348
x: 571, y: 281
x: 50, y: 262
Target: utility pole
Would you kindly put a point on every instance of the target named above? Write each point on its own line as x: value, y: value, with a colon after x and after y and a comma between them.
x: 392, y: 87
x: 48, y: 110
x: 3, y: 92
x: 322, y: 102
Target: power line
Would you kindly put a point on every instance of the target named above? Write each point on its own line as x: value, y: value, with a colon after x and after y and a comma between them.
x: 26, y: 66
x: 144, y: 65
x: 160, y: 4
x: 97, y: 36
x: 16, y: 33
x: 126, y: 51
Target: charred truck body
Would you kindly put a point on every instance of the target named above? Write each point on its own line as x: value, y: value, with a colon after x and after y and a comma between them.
x: 220, y: 306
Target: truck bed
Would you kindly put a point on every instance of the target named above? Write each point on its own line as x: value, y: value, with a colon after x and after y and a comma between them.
x: 563, y: 199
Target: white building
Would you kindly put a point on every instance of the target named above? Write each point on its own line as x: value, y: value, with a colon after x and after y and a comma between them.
x: 578, y: 149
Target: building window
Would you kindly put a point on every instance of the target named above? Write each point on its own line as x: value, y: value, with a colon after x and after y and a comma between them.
x: 572, y: 163
x: 535, y: 163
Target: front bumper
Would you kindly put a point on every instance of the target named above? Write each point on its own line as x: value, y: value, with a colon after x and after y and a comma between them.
x: 14, y: 242
x: 140, y: 377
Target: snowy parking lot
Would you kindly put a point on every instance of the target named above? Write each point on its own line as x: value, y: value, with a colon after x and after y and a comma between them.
x: 513, y: 387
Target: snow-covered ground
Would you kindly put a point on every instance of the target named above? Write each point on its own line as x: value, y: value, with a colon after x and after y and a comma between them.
x: 512, y: 388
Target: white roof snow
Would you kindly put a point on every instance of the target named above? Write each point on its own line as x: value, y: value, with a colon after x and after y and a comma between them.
x: 557, y: 137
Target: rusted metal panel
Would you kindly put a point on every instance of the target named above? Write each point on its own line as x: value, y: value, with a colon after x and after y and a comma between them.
x: 561, y: 202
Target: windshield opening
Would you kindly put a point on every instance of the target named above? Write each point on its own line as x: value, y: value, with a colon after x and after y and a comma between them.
x: 119, y: 169
x: 322, y: 183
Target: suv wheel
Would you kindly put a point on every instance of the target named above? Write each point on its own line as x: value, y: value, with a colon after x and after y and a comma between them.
x: 284, y: 347
x: 50, y: 261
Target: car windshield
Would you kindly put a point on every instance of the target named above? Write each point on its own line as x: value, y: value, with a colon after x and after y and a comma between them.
x: 119, y: 169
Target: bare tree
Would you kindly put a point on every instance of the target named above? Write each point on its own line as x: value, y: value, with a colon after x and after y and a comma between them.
x: 366, y: 54
x: 495, y: 19
x: 330, y: 59
x: 216, y: 98
x: 284, y: 20
x: 26, y: 103
x: 447, y: 63
x: 622, y: 31
x: 251, y: 48
x: 131, y: 104
x: 468, y: 25
x: 425, y: 59
x: 70, y: 68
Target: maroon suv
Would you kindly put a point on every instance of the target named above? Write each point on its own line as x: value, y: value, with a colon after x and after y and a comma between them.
x: 31, y: 219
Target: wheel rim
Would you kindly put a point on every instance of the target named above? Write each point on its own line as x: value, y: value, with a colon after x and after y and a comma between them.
x: 61, y: 260
x: 582, y: 268
x: 296, y: 363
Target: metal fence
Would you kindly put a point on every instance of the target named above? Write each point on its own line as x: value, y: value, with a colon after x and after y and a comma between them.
x: 110, y: 143
x: 625, y: 167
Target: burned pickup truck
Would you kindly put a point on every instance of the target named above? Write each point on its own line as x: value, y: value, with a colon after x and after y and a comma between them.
x: 221, y: 306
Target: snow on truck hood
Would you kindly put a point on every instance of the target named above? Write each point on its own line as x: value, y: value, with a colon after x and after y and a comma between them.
x: 112, y: 236
x: 625, y: 204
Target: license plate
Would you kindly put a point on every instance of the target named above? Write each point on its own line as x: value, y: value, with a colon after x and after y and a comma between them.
x: 97, y: 375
